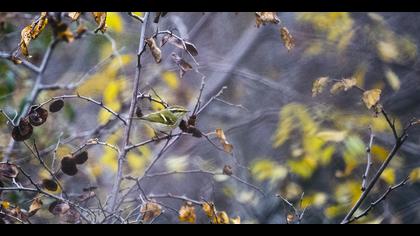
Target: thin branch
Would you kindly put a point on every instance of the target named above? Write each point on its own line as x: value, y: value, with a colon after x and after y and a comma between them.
x: 379, y: 200
x: 369, y: 160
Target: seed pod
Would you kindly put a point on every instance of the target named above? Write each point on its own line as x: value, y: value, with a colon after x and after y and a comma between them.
x: 81, y: 158
x: 50, y: 185
x: 23, y: 131
x: 57, y: 105
x: 195, y: 132
x: 227, y: 170
x: 37, y: 115
x: 183, y: 126
x: 68, y: 166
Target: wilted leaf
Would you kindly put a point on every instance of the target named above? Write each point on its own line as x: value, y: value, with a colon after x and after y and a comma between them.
x: 8, y: 170
x: 343, y: 85
x: 319, y: 85
x: 39, y: 25
x: 74, y: 15
x: 31, y: 32
x: 150, y: 211
x: 86, y: 196
x: 263, y: 18
x: 182, y: 64
x: 288, y: 40
x: 154, y: 49
x: 209, y: 209
x: 371, y: 97
x: 35, y: 206
x: 222, y: 137
x: 100, y: 18
x: 187, y: 213
x: 191, y: 49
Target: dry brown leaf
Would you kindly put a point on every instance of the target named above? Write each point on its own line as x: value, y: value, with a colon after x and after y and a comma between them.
x: 222, y: 137
x: 100, y: 18
x: 349, y: 83
x: 150, y: 211
x: 39, y: 25
x: 25, y: 39
x: 371, y: 97
x: 8, y: 170
x: 74, y: 15
x: 182, y: 64
x: 58, y: 208
x: 35, y: 206
x: 154, y: 49
x: 319, y: 85
x: 288, y: 40
x: 187, y: 213
x: 182, y: 44
x: 263, y: 18
x: 31, y: 32
x: 209, y: 209
x: 227, y: 170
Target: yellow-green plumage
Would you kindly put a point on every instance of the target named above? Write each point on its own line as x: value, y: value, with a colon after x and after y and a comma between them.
x: 167, y: 119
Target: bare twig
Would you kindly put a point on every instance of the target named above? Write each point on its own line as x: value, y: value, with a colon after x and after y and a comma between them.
x: 369, y: 160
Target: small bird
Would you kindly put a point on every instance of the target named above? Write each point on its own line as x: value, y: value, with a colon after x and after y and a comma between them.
x: 165, y: 120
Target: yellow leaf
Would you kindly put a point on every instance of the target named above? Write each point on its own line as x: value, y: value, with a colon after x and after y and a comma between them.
x: 371, y: 97
x: 187, y: 213
x: 5, y: 204
x: 393, y: 79
x: 209, y: 209
x: 415, y: 175
x: 25, y: 40
x: 263, y: 170
x: 319, y: 85
x: 35, y: 206
x: 235, y: 221
x: 177, y: 163
x: 343, y: 85
x: 332, y: 135
x: 170, y: 79
x: 115, y: 22
x: 388, y: 176
x: 221, y: 218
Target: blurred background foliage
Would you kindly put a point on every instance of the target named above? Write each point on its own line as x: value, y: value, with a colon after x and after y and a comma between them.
x: 285, y: 141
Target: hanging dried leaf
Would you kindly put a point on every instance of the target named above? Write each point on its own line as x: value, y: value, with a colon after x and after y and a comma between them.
x: 37, y: 115
x: 26, y: 38
x: 222, y: 137
x: 8, y: 170
x: 154, y: 49
x: 58, y: 208
x: 56, y: 106
x: 187, y: 213
x: 371, y: 97
x: 158, y: 15
x: 36, y: 205
x: 263, y: 18
x: 100, y: 18
x: 319, y: 85
x: 74, y: 15
x: 343, y: 85
x: 150, y: 211
x: 191, y: 48
x: 81, y: 158
x: 179, y: 43
x: 50, y: 185
x: 86, y: 196
x: 227, y: 170
x: 182, y: 64
x: 288, y: 40
x: 31, y: 32
x: 23, y: 131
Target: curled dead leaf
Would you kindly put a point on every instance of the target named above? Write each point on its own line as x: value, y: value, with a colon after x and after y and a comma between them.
x: 150, y: 211
x: 288, y: 40
x: 227, y: 170
x: 36, y: 205
x: 371, y: 97
x: 181, y: 63
x: 100, y: 18
x: 319, y: 85
x: 343, y: 85
x: 154, y: 49
x: 222, y: 137
x: 222, y: 218
x: 31, y: 32
x: 263, y: 18
x: 209, y: 209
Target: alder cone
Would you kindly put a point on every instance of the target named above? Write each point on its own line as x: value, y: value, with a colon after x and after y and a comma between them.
x: 68, y: 166
x: 23, y: 131
x: 81, y: 158
x: 56, y: 106
x: 37, y: 116
x: 50, y: 185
